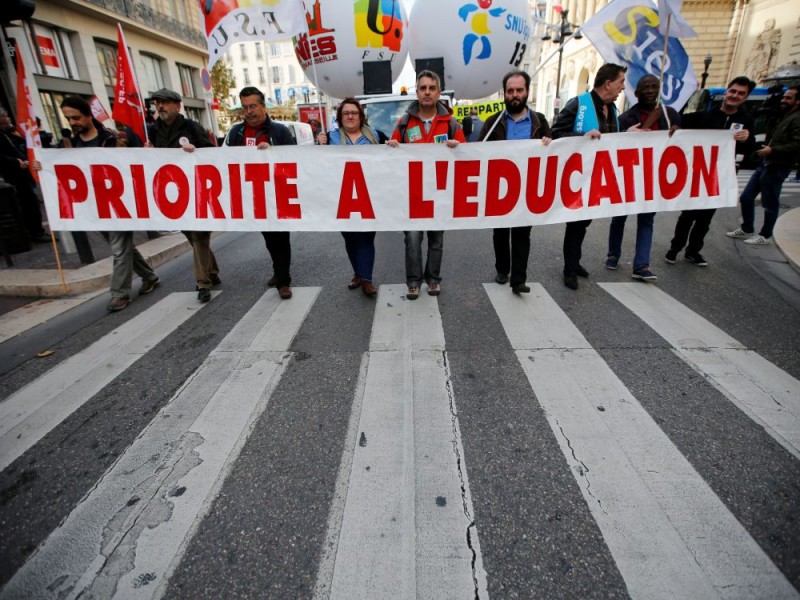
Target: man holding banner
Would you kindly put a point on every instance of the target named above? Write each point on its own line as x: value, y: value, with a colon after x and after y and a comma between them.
x: 590, y: 115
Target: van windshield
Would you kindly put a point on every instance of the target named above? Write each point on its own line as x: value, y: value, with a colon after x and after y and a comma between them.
x: 383, y: 116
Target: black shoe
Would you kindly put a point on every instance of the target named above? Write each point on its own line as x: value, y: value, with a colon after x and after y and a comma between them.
x: 215, y: 280
x: 520, y: 288
x: 696, y: 259
x: 581, y: 272
x: 204, y: 295
x: 671, y: 257
x: 501, y: 278
x: 571, y: 281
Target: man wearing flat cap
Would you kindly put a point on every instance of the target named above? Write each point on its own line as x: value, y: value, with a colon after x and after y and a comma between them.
x: 173, y: 130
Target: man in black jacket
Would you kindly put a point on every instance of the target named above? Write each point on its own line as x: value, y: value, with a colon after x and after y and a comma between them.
x: 259, y: 131
x: 590, y: 115
x: 89, y: 133
x: 693, y: 225
x: 512, y: 245
x: 173, y: 130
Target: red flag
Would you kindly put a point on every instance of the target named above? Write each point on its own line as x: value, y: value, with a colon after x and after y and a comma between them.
x: 128, y: 104
x: 26, y: 119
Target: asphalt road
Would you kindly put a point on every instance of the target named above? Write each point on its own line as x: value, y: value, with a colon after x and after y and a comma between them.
x: 271, y: 518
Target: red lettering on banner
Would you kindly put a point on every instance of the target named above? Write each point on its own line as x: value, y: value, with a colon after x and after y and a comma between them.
x: 506, y: 171
x: 673, y: 156
x: 418, y: 207
x: 571, y: 198
x: 604, y: 180
x: 708, y: 171
x: 464, y: 188
x: 108, y: 189
x: 140, y: 192
x: 258, y: 175
x: 166, y: 175
x: 357, y: 197
x: 628, y: 158
x: 539, y: 203
x: 647, y: 168
x: 285, y: 191
x: 72, y: 188
x: 207, y: 188
x: 234, y: 179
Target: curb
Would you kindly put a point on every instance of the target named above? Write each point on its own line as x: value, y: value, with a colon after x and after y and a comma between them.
x: 46, y: 283
x: 787, y: 237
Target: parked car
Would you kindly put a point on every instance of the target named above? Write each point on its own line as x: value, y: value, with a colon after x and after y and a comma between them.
x: 301, y: 132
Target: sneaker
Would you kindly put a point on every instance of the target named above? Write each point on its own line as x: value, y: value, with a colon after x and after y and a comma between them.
x: 759, y: 240
x: 203, y: 295
x: 501, y: 278
x: 434, y: 289
x: 696, y: 259
x: 671, y: 257
x: 581, y: 272
x: 117, y: 304
x: 412, y: 293
x: 612, y: 262
x: 739, y: 233
x: 644, y: 274
x: 521, y: 288
x: 285, y: 292
x: 148, y: 285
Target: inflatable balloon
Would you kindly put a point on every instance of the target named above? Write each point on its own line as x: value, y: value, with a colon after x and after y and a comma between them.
x: 479, y: 40
x: 345, y: 33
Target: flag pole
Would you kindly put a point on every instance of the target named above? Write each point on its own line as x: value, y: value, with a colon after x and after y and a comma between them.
x: 58, y: 262
x: 663, y: 66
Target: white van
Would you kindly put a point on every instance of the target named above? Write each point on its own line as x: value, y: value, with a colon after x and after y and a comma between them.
x: 300, y: 131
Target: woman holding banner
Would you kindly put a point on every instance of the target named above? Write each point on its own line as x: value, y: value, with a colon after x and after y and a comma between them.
x: 354, y: 131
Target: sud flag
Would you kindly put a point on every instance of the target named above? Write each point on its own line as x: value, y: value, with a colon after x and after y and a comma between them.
x: 128, y: 105
x: 626, y: 32
x: 26, y: 119
x: 229, y: 21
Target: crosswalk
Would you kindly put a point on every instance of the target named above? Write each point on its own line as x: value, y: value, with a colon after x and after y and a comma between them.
x: 789, y: 185
x: 403, y: 521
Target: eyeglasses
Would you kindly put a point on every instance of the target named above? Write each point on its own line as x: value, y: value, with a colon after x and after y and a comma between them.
x: 349, y: 113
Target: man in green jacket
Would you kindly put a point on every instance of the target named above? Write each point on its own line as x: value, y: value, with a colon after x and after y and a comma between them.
x: 777, y: 158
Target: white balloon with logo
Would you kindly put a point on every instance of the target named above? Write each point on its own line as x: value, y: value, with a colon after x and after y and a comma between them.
x: 479, y: 40
x: 343, y: 34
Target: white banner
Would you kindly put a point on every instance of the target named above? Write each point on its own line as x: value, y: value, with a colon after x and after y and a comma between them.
x: 378, y: 188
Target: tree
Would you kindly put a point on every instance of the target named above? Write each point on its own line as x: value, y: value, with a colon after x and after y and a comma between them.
x: 221, y: 81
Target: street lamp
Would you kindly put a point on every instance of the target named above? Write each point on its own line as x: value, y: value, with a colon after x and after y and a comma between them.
x: 562, y: 30
x: 704, y: 76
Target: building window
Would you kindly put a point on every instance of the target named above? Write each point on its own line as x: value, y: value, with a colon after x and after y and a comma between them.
x: 246, y: 74
x: 276, y: 74
x: 275, y: 49
x: 291, y: 73
x: 57, y: 58
x: 259, y: 52
x: 154, y: 73
x: 243, y: 51
x: 107, y: 56
x: 261, y: 79
x: 179, y: 11
x: 188, y: 77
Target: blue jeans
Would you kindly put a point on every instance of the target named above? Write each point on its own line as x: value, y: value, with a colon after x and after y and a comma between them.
x: 360, y: 246
x: 766, y: 180
x: 433, y: 264
x: 644, y: 238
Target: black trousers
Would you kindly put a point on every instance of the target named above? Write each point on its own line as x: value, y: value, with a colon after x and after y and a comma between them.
x: 692, y: 225
x: 573, y: 240
x: 279, y: 247
x: 511, y: 249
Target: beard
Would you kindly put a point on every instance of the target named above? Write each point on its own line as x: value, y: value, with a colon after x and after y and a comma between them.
x: 517, y: 105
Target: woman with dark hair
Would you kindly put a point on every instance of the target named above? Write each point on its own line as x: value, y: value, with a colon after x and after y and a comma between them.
x: 354, y: 131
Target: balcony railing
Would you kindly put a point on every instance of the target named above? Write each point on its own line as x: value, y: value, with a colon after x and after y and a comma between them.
x: 142, y: 13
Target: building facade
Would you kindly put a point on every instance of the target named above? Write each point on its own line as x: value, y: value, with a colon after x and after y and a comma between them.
x: 70, y: 47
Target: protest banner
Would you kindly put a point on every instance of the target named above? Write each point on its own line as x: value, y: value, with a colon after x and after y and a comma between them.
x: 379, y: 188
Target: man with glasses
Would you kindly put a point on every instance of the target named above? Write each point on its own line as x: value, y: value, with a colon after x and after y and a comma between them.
x: 693, y: 225
x: 173, y: 130
x: 89, y: 133
x: 259, y: 131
